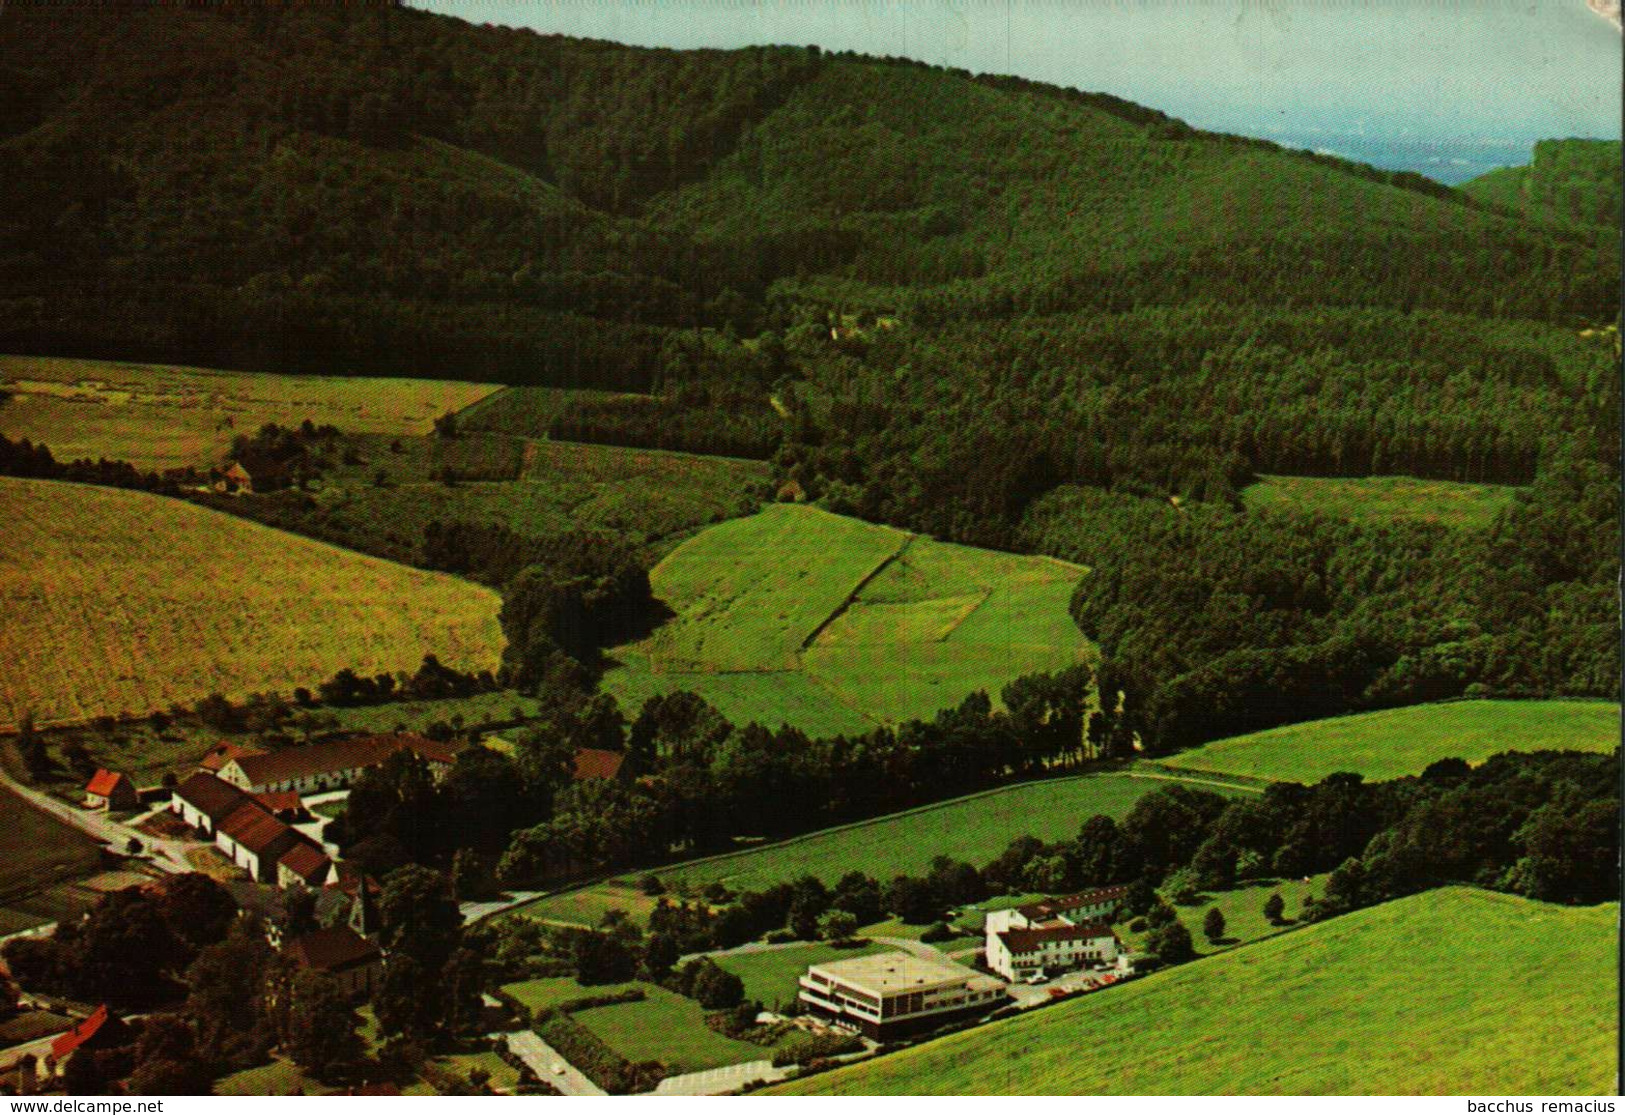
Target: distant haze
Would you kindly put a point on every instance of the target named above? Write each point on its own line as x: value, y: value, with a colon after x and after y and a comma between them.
x: 1449, y: 88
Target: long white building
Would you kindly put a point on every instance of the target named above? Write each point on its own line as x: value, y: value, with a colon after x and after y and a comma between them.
x: 1055, y: 935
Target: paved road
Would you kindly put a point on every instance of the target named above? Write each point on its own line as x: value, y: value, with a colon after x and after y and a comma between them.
x: 162, y: 853
x: 543, y: 1060
x: 474, y: 911
x: 717, y: 1082
x: 747, y: 949
x: 1196, y: 781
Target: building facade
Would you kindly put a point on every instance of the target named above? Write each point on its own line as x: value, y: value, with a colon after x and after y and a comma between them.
x: 333, y: 765
x: 1056, y: 934
x: 895, y: 995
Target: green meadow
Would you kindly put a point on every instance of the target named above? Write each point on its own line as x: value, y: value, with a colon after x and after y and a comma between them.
x: 1377, y: 500
x: 974, y: 829
x: 1393, y: 743
x: 1451, y: 992
x: 833, y: 625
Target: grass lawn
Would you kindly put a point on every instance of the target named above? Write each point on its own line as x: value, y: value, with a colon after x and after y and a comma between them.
x: 974, y: 829
x: 668, y: 1028
x: 482, y: 708
x: 796, y: 616
x: 771, y: 977
x: 537, y: 994
x: 1396, y: 742
x: 503, y: 1076
x: 588, y: 905
x: 276, y: 1078
x: 1382, y: 499
x: 1452, y: 992
x: 1243, y: 910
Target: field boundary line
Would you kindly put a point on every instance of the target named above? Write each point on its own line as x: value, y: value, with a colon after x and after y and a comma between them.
x: 857, y: 590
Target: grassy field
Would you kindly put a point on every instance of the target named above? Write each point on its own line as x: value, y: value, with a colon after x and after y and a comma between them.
x: 668, y: 1028
x: 121, y: 602
x: 1452, y: 992
x: 1382, y: 499
x: 833, y: 625
x: 974, y: 829
x: 1396, y: 742
x: 1243, y: 910
x: 771, y: 978
x: 551, y: 991
x: 652, y: 500
x: 38, y: 852
x: 157, y: 416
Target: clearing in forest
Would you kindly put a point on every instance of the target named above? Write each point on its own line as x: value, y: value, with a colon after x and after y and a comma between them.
x: 830, y: 624
x: 121, y: 602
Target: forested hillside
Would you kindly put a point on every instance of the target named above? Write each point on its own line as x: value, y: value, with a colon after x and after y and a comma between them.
x: 1571, y: 180
x: 994, y: 311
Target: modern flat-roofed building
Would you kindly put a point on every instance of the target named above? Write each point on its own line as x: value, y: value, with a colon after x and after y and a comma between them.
x: 895, y: 994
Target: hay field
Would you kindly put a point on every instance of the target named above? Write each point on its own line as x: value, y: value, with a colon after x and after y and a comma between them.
x: 797, y: 616
x: 159, y: 416
x: 1382, y: 499
x: 1450, y: 992
x: 122, y: 602
x: 1396, y: 742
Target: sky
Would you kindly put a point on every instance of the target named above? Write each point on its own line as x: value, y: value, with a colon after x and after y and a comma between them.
x: 1405, y: 80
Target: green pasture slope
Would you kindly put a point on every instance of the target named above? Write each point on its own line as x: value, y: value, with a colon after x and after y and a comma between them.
x: 1393, y: 743
x: 974, y: 829
x: 1452, y: 992
x: 1377, y: 500
x: 797, y: 616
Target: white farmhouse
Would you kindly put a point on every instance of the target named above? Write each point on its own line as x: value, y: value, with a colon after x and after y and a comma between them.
x: 1054, y: 935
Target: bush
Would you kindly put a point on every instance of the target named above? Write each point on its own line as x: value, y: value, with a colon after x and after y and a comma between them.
x: 816, y: 1047
x: 941, y: 931
x: 587, y: 1052
x: 1137, y: 925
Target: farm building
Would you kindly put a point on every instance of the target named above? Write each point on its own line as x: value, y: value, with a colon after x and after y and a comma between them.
x: 203, y: 801
x: 221, y: 754
x: 348, y: 952
x: 109, y: 789
x: 1055, y: 934
x: 595, y: 762
x: 895, y: 994
x: 329, y: 766
x: 245, y: 828
x: 101, y: 1030
x: 254, y: 476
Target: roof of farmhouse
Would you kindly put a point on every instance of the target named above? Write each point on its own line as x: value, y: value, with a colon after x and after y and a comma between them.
x: 1049, y: 907
x: 892, y: 973
x: 1026, y: 940
x: 336, y: 755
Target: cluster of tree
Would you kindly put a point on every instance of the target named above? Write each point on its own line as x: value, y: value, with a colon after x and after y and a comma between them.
x: 494, y: 554
x: 219, y: 997
x: 1326, y: 617
x: 433, y: 681
x: 25, y: 459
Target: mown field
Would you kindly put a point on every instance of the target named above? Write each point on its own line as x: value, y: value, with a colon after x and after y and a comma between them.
x: 1382, y: 499
x: 796, y: 616
x: 1451, y: 992
x: 666, y: 1027
x: 1392, y: 743
x: 121, y: 602
x: 772, y: 978
x: 974, y: 829
x: 159, y: 416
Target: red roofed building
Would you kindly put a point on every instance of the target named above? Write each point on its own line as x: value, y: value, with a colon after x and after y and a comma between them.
x: 203, y: 801
x: 111, y: 790
x: 594, y: 762
x: 329, y: 766
x: 339, y: 951
x: 102, y: 1030
x: 255, y: 840
x: 221, y: 754
x: 286, y: 805
x: 1055, y: 934
x: 304, y: 864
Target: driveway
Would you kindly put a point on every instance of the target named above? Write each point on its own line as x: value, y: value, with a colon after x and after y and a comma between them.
x: 545, y: 1061
x: 474, y: 911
